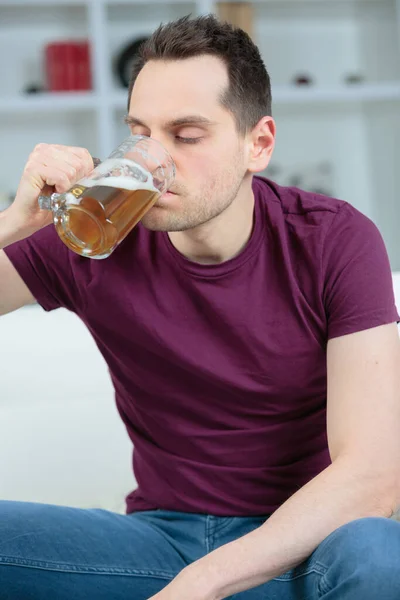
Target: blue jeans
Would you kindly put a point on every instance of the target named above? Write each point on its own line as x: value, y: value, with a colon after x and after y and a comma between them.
x: 57, y: 553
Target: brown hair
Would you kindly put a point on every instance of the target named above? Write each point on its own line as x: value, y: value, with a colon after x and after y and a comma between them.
x: 248, y: 96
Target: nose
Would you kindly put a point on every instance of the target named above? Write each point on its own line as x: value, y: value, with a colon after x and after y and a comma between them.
x: 161, y: 163
x: 163, y: 139
x: 168, y: 163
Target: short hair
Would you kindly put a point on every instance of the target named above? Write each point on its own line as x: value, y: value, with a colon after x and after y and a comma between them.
x: 248, y: 96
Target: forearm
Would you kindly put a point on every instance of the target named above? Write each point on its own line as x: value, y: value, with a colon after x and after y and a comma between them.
x: 338, y: 495
x: 10, y: 230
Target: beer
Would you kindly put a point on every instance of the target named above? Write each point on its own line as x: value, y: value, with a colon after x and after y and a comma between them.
x: 99, y: 211
x: 104, y: 208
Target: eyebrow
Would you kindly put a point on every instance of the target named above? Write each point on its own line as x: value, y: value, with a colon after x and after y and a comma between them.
x: 187, y: 120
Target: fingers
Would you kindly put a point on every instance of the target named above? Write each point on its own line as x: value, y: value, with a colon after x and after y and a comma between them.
x: 58, y: 166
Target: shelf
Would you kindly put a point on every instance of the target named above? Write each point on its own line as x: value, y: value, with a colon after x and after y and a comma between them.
x: 290, y: 95
x: 355, y: 93
x: 52, y: 3
x: 76, y: 101
x: 65, y: 101
x: 301, y: 2
x: 132, y: 3
x: 263, y: 2
x: 199, y: 2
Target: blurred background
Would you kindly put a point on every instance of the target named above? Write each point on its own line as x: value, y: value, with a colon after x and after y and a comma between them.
x: 64, y: 65
x: 334, y: 64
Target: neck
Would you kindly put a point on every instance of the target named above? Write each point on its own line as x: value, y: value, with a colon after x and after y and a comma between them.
x: 222, y: 238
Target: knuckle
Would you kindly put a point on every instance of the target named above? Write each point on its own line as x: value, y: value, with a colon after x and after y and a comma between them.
x: 40, y: 148
x: 64, y: 178
x: 76, y: 160
x: 29, y: 166
x: 81, y: 171
x: 86, y: 156
x: 61, y: 182
x: 55, y: 178
x: 71, y: 173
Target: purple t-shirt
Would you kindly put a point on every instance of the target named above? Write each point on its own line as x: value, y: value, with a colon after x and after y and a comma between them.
x: 220, y: 370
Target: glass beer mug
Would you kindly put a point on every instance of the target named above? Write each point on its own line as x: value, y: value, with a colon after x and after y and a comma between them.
x: 99, y: 211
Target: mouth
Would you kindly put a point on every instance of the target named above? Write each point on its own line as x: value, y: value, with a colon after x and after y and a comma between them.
x: 166, y: 196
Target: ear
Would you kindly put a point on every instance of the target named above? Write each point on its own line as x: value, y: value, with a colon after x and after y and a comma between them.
x: 261, y: 144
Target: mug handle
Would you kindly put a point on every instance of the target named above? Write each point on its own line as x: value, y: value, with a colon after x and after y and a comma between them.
x: 46, y: 202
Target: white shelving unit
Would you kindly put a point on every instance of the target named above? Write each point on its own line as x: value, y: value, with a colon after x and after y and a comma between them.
x: 355, y: 128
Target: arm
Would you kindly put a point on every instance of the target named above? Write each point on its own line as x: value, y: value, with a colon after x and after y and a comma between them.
x: 363, y: 479
x: 49, y: 168
x: 10, y: 232
x: 13, y: 291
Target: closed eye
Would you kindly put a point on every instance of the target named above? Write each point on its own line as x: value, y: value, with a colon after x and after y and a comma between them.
x: 187, y: 140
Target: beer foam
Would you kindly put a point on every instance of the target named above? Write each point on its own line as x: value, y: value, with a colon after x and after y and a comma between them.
x: 126, y: 183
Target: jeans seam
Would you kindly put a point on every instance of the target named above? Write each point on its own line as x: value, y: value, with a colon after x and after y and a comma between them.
x: 313, y: 569
x: 223, y: 525
x: 323, y: 587
x: 207, y: 533
x: 82, y: 569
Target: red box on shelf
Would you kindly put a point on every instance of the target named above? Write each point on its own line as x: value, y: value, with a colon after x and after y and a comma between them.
x: 67, y: 66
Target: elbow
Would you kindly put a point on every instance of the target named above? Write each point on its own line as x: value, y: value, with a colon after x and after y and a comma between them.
x: 386, y: 494
x: 395, y: 496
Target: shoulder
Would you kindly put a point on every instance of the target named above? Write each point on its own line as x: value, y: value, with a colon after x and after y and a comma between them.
x: 43, y: 246
x: 295, y: 202
x: 300, y: 211
x: 44, y: 263
x: 329, y: 248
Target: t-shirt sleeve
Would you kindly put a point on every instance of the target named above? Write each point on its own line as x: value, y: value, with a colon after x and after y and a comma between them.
x: 358, y: 285
x: 44, y: 264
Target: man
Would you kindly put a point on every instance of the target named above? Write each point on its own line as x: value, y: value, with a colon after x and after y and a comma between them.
x: 250, y: 331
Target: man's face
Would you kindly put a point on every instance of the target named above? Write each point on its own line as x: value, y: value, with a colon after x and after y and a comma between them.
x: 208, y: 152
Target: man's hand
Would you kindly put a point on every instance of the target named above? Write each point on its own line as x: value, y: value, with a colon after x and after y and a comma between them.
x: 190, y: 584
x: 50, y: 168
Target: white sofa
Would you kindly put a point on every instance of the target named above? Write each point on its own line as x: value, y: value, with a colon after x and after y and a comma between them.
x: 61, y: 439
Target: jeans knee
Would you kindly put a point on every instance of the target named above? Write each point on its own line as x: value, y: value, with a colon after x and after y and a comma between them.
x: 14, y: 524
x: 370, y: 536
x: 364, y: 554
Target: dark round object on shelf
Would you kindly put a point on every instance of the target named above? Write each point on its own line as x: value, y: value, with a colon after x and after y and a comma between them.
x: 125, y: 60
x: 33, y: 88
x: 354, y: 78
x: 303, y: 79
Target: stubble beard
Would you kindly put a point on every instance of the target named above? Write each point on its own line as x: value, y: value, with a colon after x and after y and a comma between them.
x: 198, y: 210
